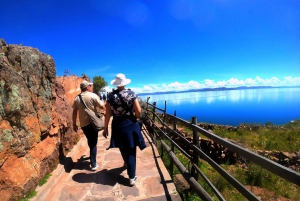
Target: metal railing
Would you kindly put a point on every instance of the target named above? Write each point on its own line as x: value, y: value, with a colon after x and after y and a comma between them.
x: 157, y: 131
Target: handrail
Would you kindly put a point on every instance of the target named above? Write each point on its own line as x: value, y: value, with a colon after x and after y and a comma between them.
x: 281, y: 171
x: 240, y: 187
x: 191, y: 180
x: 266, y: 163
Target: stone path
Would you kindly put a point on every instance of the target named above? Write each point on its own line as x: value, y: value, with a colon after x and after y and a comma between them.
x: 74, y: 180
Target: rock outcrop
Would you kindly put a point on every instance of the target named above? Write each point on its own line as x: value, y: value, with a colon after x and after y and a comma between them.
x: 35, y: 118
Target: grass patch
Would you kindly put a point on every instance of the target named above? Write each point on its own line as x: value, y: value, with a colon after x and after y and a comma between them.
x: 29, y: 196
x: 45, y: 179
x: 265, y: 137
x: 33, y: 193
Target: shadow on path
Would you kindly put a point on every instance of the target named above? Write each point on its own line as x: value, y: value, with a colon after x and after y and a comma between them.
x: 83, y: 163
x: 163, y: 181
x: 104, y: 177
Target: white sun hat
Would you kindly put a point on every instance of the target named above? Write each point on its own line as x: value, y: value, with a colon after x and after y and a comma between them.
x: 120, y: 80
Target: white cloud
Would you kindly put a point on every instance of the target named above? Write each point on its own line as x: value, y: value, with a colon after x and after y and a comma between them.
x: 235, y: 82
x: 208, y: 83
x: 289, y: 81
x: 194, y: 85
x: 147, y: 88
x: 175, y: 85
x: 221, y: 83
x: 250, y: 82
x: 259, y: 80
x: 164, y: 87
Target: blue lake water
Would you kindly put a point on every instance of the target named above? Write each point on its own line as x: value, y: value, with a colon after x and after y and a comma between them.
x: 233, y: 107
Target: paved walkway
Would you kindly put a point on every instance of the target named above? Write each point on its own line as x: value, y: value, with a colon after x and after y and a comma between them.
x: 73, y: 180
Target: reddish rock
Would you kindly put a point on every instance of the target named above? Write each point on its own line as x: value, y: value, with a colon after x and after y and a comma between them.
x: 35, y: 118
x: 71, y: 87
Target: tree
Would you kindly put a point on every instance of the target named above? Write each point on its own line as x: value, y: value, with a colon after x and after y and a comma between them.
x: 99, y: 84
x: 66, y: 72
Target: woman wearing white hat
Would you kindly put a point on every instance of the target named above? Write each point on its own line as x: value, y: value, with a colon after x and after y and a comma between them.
x: 123, y: 105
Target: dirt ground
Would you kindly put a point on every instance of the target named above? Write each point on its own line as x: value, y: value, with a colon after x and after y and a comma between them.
x: 266, y: 195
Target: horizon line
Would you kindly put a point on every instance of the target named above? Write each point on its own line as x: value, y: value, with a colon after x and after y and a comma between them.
x: 215, y: 89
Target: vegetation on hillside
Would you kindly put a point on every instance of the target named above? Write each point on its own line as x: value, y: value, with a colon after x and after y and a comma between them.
x: 267, y: 137
x: 264, y: 184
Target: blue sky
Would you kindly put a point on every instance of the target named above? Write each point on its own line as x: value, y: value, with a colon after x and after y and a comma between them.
x: 163, y: 45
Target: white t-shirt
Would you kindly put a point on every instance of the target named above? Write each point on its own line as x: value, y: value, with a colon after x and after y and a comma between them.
x: 92, y: 101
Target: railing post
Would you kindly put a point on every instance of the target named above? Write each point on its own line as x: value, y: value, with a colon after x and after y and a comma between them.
x: 161, y: 147
x: 162, y: 136
x: 195, y: 159
x: 153, y: 122
x: 171, y: 167
x: 165, y: 114
x: 147, y: 106
x: 174, y: 122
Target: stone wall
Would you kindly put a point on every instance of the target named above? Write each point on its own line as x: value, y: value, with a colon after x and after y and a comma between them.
x: 35, y: 118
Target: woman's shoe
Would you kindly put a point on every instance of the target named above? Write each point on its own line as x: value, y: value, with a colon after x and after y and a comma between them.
x: 132, y: 181
x: 95, y: 167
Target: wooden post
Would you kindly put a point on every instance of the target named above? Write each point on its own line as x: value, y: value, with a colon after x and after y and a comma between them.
x: 195, y: 159
x: 163, y: 128
x: 165, y: 114
x: 153, y: 122
x: 171, y: 167
x: 147, y: 106
x: 148, y: 120
x: 174, y: 122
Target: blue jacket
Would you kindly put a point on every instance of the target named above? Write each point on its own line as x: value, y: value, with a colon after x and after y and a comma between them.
x: 126, y: 134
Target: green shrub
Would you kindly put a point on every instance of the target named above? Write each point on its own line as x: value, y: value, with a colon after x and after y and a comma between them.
x: 44, y: 180
x: 254, y: 175
x: 29, y: 196
x: 271, y: 145
x: 221, y: 184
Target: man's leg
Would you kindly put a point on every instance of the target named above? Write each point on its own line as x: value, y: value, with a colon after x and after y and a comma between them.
x: 92, y: 138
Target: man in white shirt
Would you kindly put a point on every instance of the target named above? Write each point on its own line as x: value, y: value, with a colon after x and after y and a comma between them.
x: 92, y: 101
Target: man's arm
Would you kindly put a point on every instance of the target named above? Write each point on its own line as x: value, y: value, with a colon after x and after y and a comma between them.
x: 100, y: 103
x: 106, y: 120
x: 74, y: 117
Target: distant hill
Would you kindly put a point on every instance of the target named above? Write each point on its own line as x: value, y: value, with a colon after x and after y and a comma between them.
x: 215, y: 89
